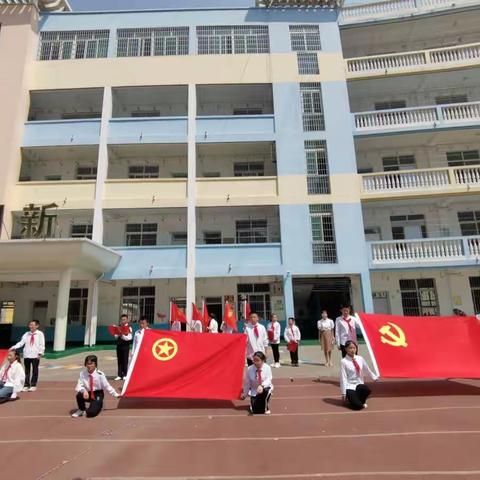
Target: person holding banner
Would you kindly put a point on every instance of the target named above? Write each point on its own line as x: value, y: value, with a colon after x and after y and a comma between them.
x: 292, y: 337
x: 258, y: 384
x: 123, y: 347
x: 257, y: 339
x: 352, y: 372
x: 345, y: 329
x: 143, y: 325
x: 12, y: 377
x: 326, y: 327
x: 274, y: 331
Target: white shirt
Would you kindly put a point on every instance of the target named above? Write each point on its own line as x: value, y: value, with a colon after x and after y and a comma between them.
x: 176, y: 326
x: 349, y: 379
x: 277, y: 331
x: 15, y: 376
x: 225, y: 328
x: 213, y: 326
x: 292, y: 334
x: 197, y: 326
x: 31, y: 351
x: 100, y: 382
x: 342, y: 331
x: 254, y: 343
x: 251, y: 383
x: 327, y: 324
x: 136, y: 338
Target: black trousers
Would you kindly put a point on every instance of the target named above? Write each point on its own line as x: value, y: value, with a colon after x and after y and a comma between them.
x: 95, y: 406
x: 344, y: 352
x: 276, y: 353
x: 31, y: 365
x: 357, y: 398
x: 294, y: 357
x: 123, y: 349
x: 259, y: 403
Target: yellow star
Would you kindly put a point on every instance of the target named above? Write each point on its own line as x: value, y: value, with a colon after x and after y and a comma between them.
x: 165, y: 349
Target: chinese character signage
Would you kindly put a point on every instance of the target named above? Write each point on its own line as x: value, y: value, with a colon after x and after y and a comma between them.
x: 36, y: 222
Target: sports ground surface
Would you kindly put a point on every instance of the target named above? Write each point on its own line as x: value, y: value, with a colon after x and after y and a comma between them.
x: 412, y: 429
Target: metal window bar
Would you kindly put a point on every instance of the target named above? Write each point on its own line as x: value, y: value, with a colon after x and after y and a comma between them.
x: 318, y: 178
x: 305, y: 38
x: 249, y: 169
x: 307, y: 63
x: 475, y: 289
x: 141, y: 234
x: 66, y: 45
x: 463, y: 158
x: 324, y: 248
x: 252, y: 231
x: 143, y: 171
x: 147, y: 42
x: 221, y: 40
x: 86, y: 173
x: 138, y: 302
x: 312, y: 107
x: 419, y: 297
x: 81, y: 231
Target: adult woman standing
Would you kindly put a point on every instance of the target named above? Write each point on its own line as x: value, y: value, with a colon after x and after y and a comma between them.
x: 326, y: 327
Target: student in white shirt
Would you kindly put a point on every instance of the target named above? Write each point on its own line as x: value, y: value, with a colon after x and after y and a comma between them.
x: 345, y: 329
x: 90, y: 388
x: 326, y: 326
x: 12, y: 377
x: 258, y: 384
x: 143, y: 325
x: 352, y: 371
x: 292, y: 337
x: 176, y: 326
x: 274, y: 332
x: 225, y: 328
x: 197, y: 326
x: 33, y: 343
x: 213, y: 324
x: 123, y: 349
x: 257, y: 339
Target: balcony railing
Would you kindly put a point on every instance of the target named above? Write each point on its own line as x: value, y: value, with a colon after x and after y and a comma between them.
x: 411, y: 61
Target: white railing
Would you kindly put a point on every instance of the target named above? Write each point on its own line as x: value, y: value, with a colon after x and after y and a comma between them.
x: 474, y: 246
x: 461, y: 111
x: 467, y: 175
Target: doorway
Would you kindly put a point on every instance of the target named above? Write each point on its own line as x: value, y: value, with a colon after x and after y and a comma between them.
x: 39, y: 311
x: 215, y: 306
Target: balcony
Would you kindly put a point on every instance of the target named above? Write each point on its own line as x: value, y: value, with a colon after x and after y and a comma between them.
x: 425, y: 252
x: 413, y: 62
x: 407, y: 183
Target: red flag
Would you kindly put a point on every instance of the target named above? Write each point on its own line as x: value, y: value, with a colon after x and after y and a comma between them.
x: 196, y: 315
x: 418, y: 347
x: 3, y: 355
x: 184, y: 365
x: 229, y: 316
x: 176, y: 314
x: 205, y: 315
x: 246, y: 310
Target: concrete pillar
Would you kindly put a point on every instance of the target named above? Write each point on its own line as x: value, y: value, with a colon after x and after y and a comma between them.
x: 63, y: 297
x: 92, y: 309
x: 366, y: 287
x: 288, y: 294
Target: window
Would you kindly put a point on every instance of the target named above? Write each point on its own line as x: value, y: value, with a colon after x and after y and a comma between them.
x: 211, y: 174
x: 77, y: 306
x: 251, y: 231
x: 233, y: 39
x: 7, y: 309
x: 141, y: 234
x: 373, y: 234
x: 419, y: 297
x: 86, y: 173
x: 179, y: 175
x: 138, y: 302
x: 75, y: 44
x: 447, y: 99
x: 248, y: 111
x: 143, y: 171
x: 146, y: 42
x: 258, y: 296
x: 399, y: 162
x: 408, y: 226
x: 390, y: 104
x: 179, y: 238
x: 53, y: 178
x: 475, y: 289
x: 307, y: 63
x: 463, y: 158
x: 249, y: 169
x: 469, y: 223
x: 212, y: 238
x: 81, y: 231
x: 318, y: 181
x: 312, y: 108
x: 304, y: 38
x: 324, y: 249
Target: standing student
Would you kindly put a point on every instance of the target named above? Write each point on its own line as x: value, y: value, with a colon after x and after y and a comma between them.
x: 90, y: 389
x: 258, y: 384
x: 33, y: 343
x: 197, y: 326
x: 143, y: 325
x: 12, y: 377
x: 326, y: 326
x: 176, y: 326
x: 274, y: 332
x: 123, y: 349
x: 292, y: 337
x: 225, y: 328
x: 345, y: 329
x: 257, y: 339
x: 213, y: 324
x: 352, y: 371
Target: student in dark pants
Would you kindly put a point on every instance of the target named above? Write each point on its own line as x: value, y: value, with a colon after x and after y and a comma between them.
x: 123, y: 349
x: 292, y: 337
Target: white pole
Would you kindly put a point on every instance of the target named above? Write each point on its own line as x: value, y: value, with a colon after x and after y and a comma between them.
x: 63, y: 297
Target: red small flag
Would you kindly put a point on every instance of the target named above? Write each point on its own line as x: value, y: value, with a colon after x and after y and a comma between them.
x: 229, y: 316
x: 205, y: 315
x: 3, y: 355
x: 246, y: 310
x: 196, y: 315
x: 118, y: 330
x: 177, y: 314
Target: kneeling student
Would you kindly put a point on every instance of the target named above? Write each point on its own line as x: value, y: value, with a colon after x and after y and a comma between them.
x: 12, y: 377
x: 90, y: 388
x: 258, y: 384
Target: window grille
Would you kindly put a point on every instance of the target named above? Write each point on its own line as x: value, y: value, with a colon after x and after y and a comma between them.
x: 258, y: 296
x: 86, y: 173
x: 307, y: 63
x: 448, y: 99
x: 305, y: 38
x: 212, y: 238
x: 475, y: 289
x: 419, y: 297
x: 141, y: 234
x: 143, y: 171
x: 318, y: 180
x: 312, y: 107
x: 463, y: 158
x: 252, y: 231
x: 399, y: 162
x: 390, y: 105
x: 216, y: 40
x: 469, y: 222
x: 249, y: 169
x: 81, y: 231
x: 324, y: 248
x: 138, y: 302
x: 179, y: 238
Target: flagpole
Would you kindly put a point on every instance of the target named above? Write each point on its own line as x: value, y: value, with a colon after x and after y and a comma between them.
x: 367, y: 342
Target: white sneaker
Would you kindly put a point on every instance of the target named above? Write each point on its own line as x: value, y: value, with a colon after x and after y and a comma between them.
x: 118, y: 378
x: 272, y: 364
x: 365, y: 405
x: 78, y: 413
x: 277, y: 365
x: 268, y: 412
x: 124, y: 378
x: 32, y: 389
x: 25, y: 389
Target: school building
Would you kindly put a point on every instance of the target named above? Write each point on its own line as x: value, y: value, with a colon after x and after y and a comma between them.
x: 300, y: 154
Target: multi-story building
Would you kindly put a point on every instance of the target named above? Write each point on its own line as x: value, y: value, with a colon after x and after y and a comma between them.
x: 276, y: 151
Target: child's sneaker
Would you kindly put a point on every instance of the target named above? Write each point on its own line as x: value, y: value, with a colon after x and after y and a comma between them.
x: 118, y: 378
x: 78, y: 413
x: 268, y: 412
x: 25, y: 389
x: 32, y: 389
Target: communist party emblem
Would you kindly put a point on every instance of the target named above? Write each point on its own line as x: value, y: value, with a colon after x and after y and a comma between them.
x: 393, y: 335
x: 164, y: 349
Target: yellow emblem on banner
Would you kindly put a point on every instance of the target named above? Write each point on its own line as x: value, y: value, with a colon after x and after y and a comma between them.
x: 164, y: 349
x: 393, y: 335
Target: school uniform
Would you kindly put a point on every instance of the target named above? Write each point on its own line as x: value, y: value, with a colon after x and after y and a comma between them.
x: 94, y: 383
x: 352, y: 373
x: 123, y: 350
x: 274, y: 331
x: 345, y: 330
x: 213, y: 326
x: 292, y: 334
x: 176, y: 326
x: 33, y: 348
x: 257, y: 340
x: 253, y: 378
x: 136, y: 339
x: 12, y: 379
x: 225, y: 328
x: 197, y: 326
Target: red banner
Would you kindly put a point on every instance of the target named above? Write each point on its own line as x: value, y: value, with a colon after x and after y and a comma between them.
x: 423, y: 347
x: 185, y: 365
x: 3, y: 355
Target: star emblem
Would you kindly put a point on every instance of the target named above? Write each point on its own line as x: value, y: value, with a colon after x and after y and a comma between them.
x: 164, y: 349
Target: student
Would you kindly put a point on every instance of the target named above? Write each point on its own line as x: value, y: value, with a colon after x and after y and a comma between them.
x: 258, y: 384
x: 143, y: 325
x: 326, y: 327
x: 196, y: 326
x: 176, y: 326
x: 90, y: 388
x: 123, y: 349
x: 352, y: 371
x: 292, y: 337
x: 12, y: 377
x: 257, y: 339
x: 274, y: 331
x: 225, y: 328
x: 213, y: 324
x: 345, y: 329
x: 33, y: 343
